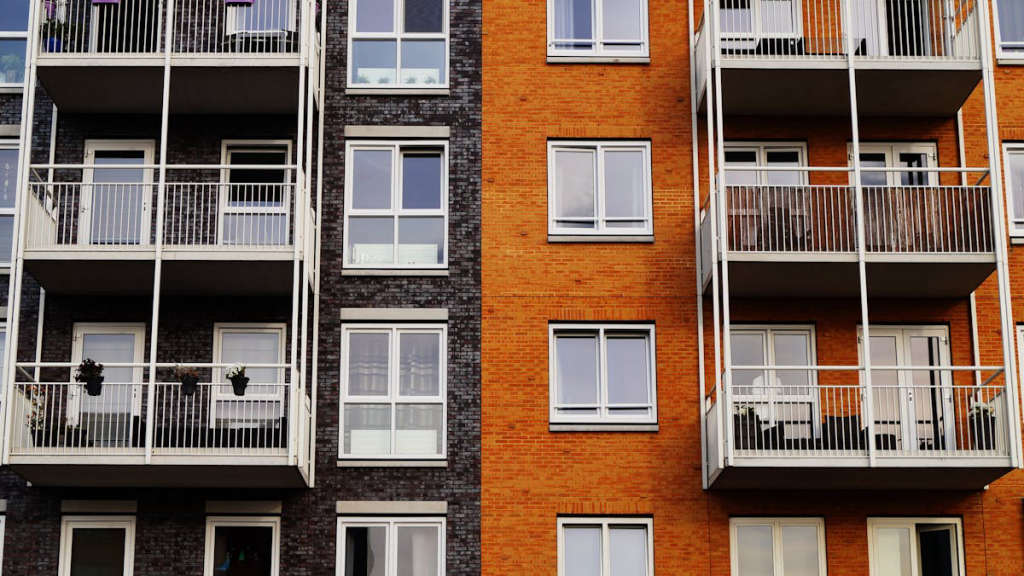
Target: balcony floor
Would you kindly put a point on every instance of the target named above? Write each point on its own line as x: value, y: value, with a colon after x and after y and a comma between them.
x: 854, y: 474
x: 130, y: 271
x: 165, y: 472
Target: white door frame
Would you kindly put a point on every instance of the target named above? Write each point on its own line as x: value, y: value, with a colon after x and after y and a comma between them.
x: 227, y: 147
x: 908, y: 419
x: 79, y: 330
x: 218, y: 380
x: 85, y: 212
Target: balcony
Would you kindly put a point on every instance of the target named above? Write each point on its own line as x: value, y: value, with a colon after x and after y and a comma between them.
x: 226, y: 57
x: 225, y: 229
x: 801, y: 241
x: 912, y: 58
x: 821, y: 427
x: 138, y: 433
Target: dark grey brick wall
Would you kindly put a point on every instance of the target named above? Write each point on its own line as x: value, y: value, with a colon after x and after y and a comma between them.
x: 170, y: 529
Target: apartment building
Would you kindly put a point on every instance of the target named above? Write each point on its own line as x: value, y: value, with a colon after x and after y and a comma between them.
x: 262, y: 218
x: 755, y: 318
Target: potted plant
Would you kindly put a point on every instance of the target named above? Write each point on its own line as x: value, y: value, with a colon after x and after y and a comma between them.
x: 91, y: 374
x: 189, y: 378
x: 982, y: 423
x: 236, y: 374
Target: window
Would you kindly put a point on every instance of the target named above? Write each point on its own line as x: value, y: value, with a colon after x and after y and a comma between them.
x: 915, y: 547
x: 389, y: 546
x: 1010, y: 27
x: 605, y: 546
x: 242, y: 546
x: 262, y: 407
x: 897, y: 155
x: 97, y: 545
x: 393, y: 391
x: 1014, y: 167
x: 598, y: 28
x: 398, y: 44
x: 13, y: 40
x: 396, y: 205
x: 9, y: 153
x: 600, y: 188
x: 254, y: 210
x: 777, y: 546
x: 774, y: 155
x: 603, y: 374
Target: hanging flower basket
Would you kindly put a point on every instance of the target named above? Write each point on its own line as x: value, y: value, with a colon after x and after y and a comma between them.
x: 91, y: 374
x: 189, y: 379
x: 239, y: 381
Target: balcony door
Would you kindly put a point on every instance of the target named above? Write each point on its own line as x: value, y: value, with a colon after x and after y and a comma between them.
x: 262, y: 406
x: 115, y: 208
x: 107, y: 420
x: 901, y: 211
x: 255, y: 203
x: 898, y: 155
x: 767, y: 208
x: 913, y: 409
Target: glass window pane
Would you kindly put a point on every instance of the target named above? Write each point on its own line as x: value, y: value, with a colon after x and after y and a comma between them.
x: 423, y: 62
x: 14, y: 15
x: 424, y: 15
x: 628, y: 550
x: 622, y: 20
x: 422, y: 174
x: 97, y: 551
x: 748, y: 350
x: 368, y: 364
x: 8, y: 176
x: 582, y: 550
x: 777, y: 17
x: 371, y: 240
x: 872, y: 160
x: 577, y: 369
x: 628, y: 370
x: 6, y: 238
x: 243, y: 550
x: 782, y: 158
x: 366, y: 550
x: 800, y: 550
x: 420, y: 241
x: 1016, y: 169
x: 1011, y: 24
x: 625, y: 196
x: 792, y: 350
x: 367, y: 429
x: 574, y: 184
x: 419, y: 364
x: 417, y: 550
x: 892, y: 552
x: 374, y: 61
x: 375, y: 15
x: 740, y: 158
x: 754, y: 550
x: 419, y: 430
x: 574, y: 20
x: 371, y: 179
x: 12, y: 61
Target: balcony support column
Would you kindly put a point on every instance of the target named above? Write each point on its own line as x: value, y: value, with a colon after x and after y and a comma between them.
x: 159, y: 240
x: 867, y: 397
x: 1007, y: 327
x: 28, y: 101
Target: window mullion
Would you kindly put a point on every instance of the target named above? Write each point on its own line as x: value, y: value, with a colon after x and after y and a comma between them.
x: 599, y: 190
x: 606, y: 552
x: 777, y: 566
x: 602, y: 375
x: 396, y: 200
x: 597, y: 35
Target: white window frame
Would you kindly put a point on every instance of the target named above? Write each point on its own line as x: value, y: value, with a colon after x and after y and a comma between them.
x: 912, y: 523
x: 762, y: 148
x: 224, y: 207
x: 393, y: 397
x: 10, y: 144
x: 212, y: 522
x: 1016, y: 227
x: 1003, y: 56
x: 600, y: 49
x: 399, y: 37
x: 392, y: 523
x: 603, y: 416
x: 605, y: 523
x: 777, y: 525
x: 398, y: 148
x: 892, y: 151
x: 220, y: 395
x: 599, y: 149
x: 69, y: 524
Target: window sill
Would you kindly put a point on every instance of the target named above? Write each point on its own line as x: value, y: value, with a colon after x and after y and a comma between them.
x: 11, y: 89
x: 392, y: 463
x: 599, y: 59
x: 1015, y: 240
x: 398, y: 91
x: 393, y: 272
x: 1010, y: 60
x: 602, y: 238
x: 610, y: 427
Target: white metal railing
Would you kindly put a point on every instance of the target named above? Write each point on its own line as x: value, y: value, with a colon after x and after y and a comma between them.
x: 829, y: 412
x: 939, y: 30
x: 205, y: 206
x: 56, y: 416
x: 137, y: 27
